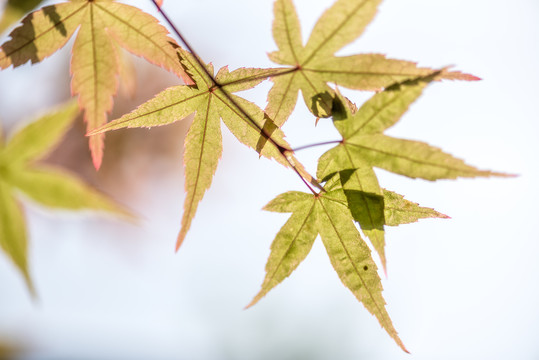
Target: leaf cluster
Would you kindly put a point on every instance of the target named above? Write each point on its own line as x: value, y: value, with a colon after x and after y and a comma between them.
x: 345, y: 204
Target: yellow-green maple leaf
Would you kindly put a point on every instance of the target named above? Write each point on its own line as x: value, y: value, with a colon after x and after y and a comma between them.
x: 95, y: 64
x: 326, y: 214
x: 364, y: 146
x: 211, y: 100
x: 44, y: 185
x: 314, y: 65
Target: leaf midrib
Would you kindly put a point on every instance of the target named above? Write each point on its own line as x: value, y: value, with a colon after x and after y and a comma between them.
x: 281, y: 102
x: 203, y: 142
x: 372, y: 117
x: 94, y: 65
x: 250, y: 122
x: 115, y: 123
x: 129, y: 25
x: 333, y: 33
x: 351, y: 260
x: 381, y: 73
x: 292, y: 242
x: 363, y: 198
x: 416, y: 160
x: 288, y: 35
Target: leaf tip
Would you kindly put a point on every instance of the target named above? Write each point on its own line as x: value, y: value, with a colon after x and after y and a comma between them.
x: 179, y: 240
x: 255, y: 300
x: 383, y: 260
x: 97, y: 163
x: 458, y: 75
x: 250, y: 304
x: 498, y: 174
x: 97, y: 158
x: 31, y: 288
x: 400, y: 343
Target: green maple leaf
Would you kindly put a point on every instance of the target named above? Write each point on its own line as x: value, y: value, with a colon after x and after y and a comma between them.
x: 45, y: 185
x: 314, y: 65
x: 211, y: 102
x: 15, y: 10
x: 102, y: 24
x: 364, y: 146
x: 326, y: 214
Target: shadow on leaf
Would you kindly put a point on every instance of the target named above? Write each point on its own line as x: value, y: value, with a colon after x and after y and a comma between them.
x: 322, y: 104
x: 366, y: 208
x: 268, y: 129
x: 21, y: 48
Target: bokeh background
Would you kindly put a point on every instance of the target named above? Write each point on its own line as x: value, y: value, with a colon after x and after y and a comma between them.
x: 465, y: 288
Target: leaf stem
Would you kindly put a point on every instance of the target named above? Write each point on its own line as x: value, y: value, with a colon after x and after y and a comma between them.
x: 280, y: 148
x: 316, y: 144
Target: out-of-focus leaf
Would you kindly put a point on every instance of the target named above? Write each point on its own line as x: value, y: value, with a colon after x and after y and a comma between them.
x: 44, y: 185
x: 15, y: 10
x: 13, y: 237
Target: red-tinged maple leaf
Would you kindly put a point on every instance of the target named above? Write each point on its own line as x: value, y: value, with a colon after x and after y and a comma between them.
x: 102, y: 24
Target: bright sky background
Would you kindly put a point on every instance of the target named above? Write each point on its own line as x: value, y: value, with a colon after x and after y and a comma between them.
x: 465, y: 288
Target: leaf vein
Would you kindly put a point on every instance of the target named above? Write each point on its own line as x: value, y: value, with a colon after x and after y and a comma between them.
x: 281, y: 101
x: 288, y: 35
x: 350, y: 258
x: 362, y: 193
x: 140, y: 32
x: 203, y: 142
x: 422, y: 162
x: 292, y: 242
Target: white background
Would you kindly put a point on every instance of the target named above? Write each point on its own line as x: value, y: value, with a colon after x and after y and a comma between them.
x: 465, y: 288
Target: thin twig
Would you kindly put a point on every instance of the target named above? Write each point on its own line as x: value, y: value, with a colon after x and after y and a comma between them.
x: 216, y: 84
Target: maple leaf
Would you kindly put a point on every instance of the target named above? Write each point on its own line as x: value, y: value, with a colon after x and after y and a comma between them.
x: 211, y: 102
x: 326, y: 214
x: 15, y: 10
x: 364, y: 146
x: 45, y: 185
x: 103, y: 24
x: 314, y: 65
